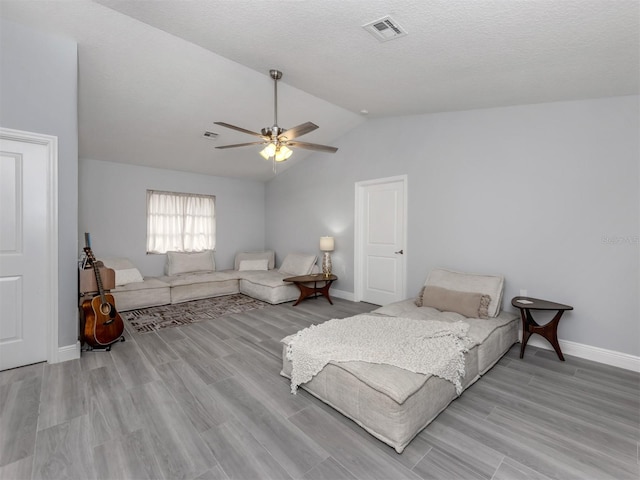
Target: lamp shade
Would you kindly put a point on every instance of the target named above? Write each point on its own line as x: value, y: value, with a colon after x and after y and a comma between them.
x: 268, y: 151
x: 326, y: 244
x: 283, y: 153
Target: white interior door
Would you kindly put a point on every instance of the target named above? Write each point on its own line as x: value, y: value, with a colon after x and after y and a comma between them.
x: 380, y: 240
x: 25, y: 255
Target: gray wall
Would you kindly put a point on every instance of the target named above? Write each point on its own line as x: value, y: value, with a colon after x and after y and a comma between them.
x: 113, y: 208
x: 547, y: 195
x: 38, y: 93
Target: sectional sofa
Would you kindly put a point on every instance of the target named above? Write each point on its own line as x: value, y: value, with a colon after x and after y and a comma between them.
x: 193, y: 276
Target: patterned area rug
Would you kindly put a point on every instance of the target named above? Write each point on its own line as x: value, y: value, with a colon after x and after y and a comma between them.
x: 152, y: 319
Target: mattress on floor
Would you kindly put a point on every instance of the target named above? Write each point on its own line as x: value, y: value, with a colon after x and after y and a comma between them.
x: 393, y: 404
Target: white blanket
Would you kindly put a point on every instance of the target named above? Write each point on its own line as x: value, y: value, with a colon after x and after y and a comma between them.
x: 420, y: 346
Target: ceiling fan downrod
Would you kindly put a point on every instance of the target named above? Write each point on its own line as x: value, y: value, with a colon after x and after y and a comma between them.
x: 276, y: 75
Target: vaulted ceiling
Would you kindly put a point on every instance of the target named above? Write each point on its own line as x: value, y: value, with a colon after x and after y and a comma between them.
x: 154, y: 75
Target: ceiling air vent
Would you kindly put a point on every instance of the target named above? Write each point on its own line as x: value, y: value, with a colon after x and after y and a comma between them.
x: 210, y: 135
x: 385, y: 29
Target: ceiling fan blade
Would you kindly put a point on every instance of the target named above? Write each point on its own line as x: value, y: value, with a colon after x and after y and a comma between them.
x: 239, y: 129
x: 241, y: 145
x: 298, y: 131
x: 313, y: 146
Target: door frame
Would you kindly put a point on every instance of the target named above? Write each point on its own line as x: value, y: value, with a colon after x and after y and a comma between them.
x: 51, y: 262
x: 360, y: 188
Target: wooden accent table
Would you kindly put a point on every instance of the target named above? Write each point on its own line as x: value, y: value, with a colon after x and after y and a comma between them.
x: 529, y: 325
x: 306, y: 291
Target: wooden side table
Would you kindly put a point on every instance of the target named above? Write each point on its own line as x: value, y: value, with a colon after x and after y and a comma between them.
x: 530, y: 326
x: 306, y: 291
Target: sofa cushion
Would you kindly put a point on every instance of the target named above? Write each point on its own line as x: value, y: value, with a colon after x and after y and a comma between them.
x: 491, y: 285
x: 149, y: 293
x: 147, y: 284
x: 267, y: 279
x: 125, y: 271
x: 298, y: 264
x: 268, y: 286
x: 182, y: 262
x: 200, y: 277
x: 194, y: 286
x: 261, y: 264
x: 196, y: 291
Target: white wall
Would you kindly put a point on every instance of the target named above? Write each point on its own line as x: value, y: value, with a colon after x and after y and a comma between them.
x: 112, y: 199
x: 547, y: 195
x: 38, y: 93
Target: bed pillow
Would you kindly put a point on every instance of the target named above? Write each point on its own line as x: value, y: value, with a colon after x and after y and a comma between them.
x: 261, y: 264
x: 182, y: 262
x: 298, y: 264
x: 491, y: 285
x: 125, y: 271
x: 469, y: 304
x: 269, y: 255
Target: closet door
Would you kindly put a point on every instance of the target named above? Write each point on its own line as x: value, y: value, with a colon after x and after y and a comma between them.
x: 380, y: 240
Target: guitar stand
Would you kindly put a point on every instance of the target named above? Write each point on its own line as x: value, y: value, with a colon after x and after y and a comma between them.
x: 105, y: 348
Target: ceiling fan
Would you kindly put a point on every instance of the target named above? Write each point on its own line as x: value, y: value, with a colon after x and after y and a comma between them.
x: 277, y: 140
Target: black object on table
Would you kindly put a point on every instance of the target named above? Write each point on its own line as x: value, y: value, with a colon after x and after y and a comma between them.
x: 530, y: 326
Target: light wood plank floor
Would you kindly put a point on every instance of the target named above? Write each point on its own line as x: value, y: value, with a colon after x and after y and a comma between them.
x: 206, y: 401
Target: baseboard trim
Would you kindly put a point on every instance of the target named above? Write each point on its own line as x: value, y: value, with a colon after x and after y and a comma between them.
x: 596, y: 354
x: 342, y: 294
x: 68, y: 352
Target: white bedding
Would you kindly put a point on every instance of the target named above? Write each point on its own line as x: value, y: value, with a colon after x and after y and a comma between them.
x: 492, y: 335
x: 419, y: 346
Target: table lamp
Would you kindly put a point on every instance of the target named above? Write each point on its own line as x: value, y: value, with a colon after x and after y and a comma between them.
x: 326, y: 245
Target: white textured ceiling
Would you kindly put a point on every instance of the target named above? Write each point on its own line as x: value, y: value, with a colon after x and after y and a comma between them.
x: 153, y: 75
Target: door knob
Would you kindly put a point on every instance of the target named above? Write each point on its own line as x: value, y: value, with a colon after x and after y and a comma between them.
x: 400, y: 252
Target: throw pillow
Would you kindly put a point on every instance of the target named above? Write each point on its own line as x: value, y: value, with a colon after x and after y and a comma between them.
x: 128, y: 275
x: 269, y: 255
x: 469, y: 304
x: 262, y: 264
x: 125, y: 271
x: 298, y: 264
x: 182, y: 262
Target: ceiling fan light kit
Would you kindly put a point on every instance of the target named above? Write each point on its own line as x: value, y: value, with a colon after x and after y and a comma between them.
x: 279, y: 154
x: 277, y: 140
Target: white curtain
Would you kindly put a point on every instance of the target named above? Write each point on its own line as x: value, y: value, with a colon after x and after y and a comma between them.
x: 180, y: 222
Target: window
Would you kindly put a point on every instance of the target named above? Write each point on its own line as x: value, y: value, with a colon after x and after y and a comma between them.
x: 181, y: 222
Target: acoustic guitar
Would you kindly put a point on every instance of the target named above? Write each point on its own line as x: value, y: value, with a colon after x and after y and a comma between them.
x: 102, y: 322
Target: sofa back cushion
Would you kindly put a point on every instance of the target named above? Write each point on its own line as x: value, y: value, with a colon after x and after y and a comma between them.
x: 491, y: 285
x: 269, y: 255
x: 183, y: 262
x: 298, y: 264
